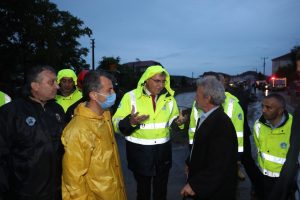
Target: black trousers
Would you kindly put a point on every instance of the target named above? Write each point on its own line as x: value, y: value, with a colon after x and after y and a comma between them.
x: 158, y: 184
x: 265, y: 187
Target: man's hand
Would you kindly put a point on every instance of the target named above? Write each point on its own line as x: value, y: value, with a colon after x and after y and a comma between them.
x: 135, y: 119
x: 187, y: 191
x: 181, y: 119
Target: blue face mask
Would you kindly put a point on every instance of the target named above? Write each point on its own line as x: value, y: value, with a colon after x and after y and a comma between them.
x: 109, y: 102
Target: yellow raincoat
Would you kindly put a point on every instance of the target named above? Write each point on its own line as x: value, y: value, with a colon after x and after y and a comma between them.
x: 91, y: 163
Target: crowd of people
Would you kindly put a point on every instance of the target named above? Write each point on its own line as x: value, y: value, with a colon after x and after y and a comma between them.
x: 57, y: 142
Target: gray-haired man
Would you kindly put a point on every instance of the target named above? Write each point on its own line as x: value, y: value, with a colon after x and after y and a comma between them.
x: 212, y: 161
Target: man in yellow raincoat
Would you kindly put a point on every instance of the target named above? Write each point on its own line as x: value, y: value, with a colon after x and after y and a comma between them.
x: 91, y: 163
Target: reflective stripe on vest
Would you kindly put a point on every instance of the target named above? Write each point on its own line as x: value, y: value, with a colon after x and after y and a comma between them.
x: 240, y: 134
x: 269, y: 173
x: 154, y: 126
x: 147, y: 141
x: 257, y: 129
x: 271, y: 158
x: 240, y: 149
x: 171, y: 120
x: 196, y: 116
x: 230, y: 108
x: 192, y: 130
x: 132, y: 100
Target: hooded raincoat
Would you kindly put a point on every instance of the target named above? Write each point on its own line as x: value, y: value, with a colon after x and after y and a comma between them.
x: 91, y: 163
x: 148, y: 145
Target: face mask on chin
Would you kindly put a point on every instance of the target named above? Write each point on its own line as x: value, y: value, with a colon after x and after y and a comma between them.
x: 109, y: 102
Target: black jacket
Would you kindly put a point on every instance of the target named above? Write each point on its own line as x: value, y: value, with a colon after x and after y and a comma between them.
x: 284, y: 185
x: 213, y: 160
x: 30, y: 150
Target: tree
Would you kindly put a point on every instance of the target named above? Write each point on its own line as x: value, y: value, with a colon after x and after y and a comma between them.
x: 36, y: 32
x: 109, y: 63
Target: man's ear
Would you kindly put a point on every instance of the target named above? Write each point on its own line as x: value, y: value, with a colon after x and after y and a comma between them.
x: 35, y: 86
x: 93, y: 95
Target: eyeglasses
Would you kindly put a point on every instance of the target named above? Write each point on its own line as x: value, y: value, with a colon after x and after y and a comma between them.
x: 159, y: 81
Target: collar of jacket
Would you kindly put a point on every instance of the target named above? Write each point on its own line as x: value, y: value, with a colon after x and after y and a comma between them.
x: 37, y: 104
x: 82, y: 110
x: 263, y: 120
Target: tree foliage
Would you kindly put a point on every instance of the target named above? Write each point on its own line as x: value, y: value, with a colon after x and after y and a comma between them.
x: 35, y: 32
x: 109, y: 63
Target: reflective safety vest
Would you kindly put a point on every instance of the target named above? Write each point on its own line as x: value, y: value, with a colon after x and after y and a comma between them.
x: 234, y: 111
x: 154, y: 130
x: 272, y: 146
x: 66, y: 102
x: 4, y: 98
x: 195, y: 114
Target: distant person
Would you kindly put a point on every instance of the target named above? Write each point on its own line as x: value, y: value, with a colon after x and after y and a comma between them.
x: 70, y: 110
x: 4, y: 98
x: 145, y: 116
x: 91, y: 163
x: 68, y: 93
x: 212, y: 168
x: 271, y: 134
x: 284, y: 187
x: 30, y: 147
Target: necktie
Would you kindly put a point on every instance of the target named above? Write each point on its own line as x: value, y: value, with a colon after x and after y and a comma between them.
x: 153, y: 102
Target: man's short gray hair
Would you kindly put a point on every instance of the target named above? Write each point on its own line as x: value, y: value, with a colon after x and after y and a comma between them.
x: 213, y: 88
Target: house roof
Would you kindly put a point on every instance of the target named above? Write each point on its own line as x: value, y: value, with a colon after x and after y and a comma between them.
x: 287, y: 56
x: 146, y: 63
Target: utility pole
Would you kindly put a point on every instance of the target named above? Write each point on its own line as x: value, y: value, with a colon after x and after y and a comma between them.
x: 264, y: 58
x: 93, y: 54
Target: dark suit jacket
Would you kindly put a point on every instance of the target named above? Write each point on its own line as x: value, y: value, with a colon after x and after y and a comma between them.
x: 213, y: 161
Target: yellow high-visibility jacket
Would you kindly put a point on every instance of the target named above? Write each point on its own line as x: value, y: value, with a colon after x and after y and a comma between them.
x: 272, y: 145
x: 66, y: 102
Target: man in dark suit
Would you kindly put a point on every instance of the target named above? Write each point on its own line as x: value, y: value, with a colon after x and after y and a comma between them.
x: 212, y: 161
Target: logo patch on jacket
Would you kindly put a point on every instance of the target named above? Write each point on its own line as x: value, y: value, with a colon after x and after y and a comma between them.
x: 58, y: 117
x: 30, y: 121
x: 283, y: 145
x: 240, y: 116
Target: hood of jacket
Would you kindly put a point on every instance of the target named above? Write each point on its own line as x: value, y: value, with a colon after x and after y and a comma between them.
x: 151, y: 71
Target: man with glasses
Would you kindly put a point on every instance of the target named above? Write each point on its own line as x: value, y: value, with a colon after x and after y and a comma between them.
x: 145, y: 116
x: 91, y: 163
